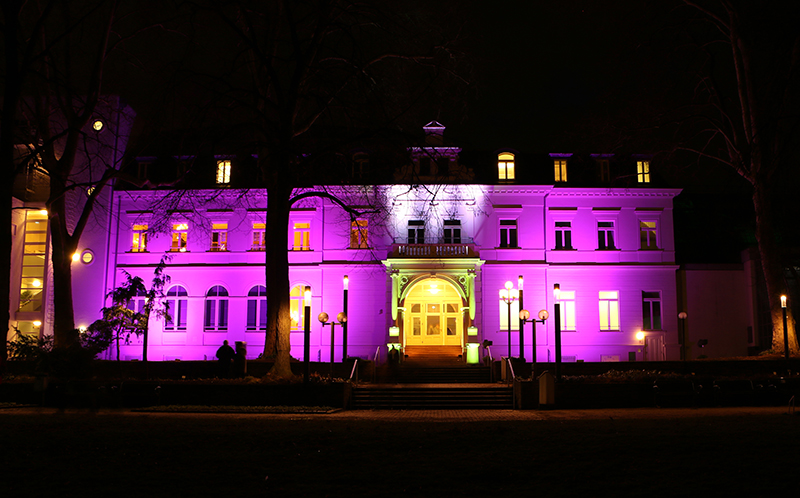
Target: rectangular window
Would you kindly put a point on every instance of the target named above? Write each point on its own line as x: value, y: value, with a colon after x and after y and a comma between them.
x: 560, y: 170
x: 359, y: 231
x: 648, y: 235
x: 141, y: 170
x: 605, y: 235
x: 605, y: 170
x: 505, y: 167
x: 416, y: 232
x: 33, y: 261
x: 508, y: 233
x: 651, y: 310
x: 452, y: 231
x: 139, y: 238
x: 223, y: 172
x: 504, y: 315
x: 563, y: 235
x: 180, y: 233
x: 219, y: 237
x: 609, y: 310
x: 302, y: 237
x: 259, y: 243
x: 567, y: 300
x: 643, y: 171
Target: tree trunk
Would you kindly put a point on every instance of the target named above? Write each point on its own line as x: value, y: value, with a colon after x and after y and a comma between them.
x: 771, y: 266
x: 277, y: 274
x: 64, y: 333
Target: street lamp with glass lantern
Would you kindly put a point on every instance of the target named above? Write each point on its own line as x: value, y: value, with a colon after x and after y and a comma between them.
x: 521, y: 323
x: 345, y: 288
x: 508, y: 296
x: 785, y: 329
x: 524, y: 316
x: 323, y: 319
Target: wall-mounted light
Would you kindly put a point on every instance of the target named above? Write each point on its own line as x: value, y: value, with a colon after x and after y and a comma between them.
x: 640, y: 337
x: 43, y: 212
x: 76, y: 257
x: 97, y: 125
x: 783, y: 301
x: 37, y: 323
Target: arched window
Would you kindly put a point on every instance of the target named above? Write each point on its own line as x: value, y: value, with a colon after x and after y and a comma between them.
x: 138, y: 301
x: 505, y: 166
x: 296, y: 306
x: 177, y: 302
x: 257, y: 308
x: 216, y: 317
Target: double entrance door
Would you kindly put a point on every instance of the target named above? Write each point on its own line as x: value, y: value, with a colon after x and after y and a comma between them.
x: 433, y: 322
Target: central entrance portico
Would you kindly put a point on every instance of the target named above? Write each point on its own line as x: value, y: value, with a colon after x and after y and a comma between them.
x: 433, y: 315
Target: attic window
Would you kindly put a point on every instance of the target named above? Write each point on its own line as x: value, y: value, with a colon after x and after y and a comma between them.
x: 505, y: 166
x: 223, y: 172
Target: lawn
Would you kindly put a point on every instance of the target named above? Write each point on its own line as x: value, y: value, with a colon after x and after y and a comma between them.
x: 548, y: 454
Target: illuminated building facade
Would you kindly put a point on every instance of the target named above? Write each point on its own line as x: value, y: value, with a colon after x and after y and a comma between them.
x: 424, y: 265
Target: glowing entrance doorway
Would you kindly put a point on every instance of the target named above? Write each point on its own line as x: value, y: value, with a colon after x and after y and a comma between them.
x: 433, y: 315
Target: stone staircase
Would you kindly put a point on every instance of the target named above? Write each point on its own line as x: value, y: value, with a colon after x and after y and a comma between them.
x: 432, y: 377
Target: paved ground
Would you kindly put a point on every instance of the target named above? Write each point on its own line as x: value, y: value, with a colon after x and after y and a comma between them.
x: 440, y: 453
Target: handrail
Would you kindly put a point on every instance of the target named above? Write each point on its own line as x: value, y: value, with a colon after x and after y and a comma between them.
x: 491, y: 364
x: 375, y: 364
x: 354, y: 370
x: 511, y: 369
x: 489, y: 350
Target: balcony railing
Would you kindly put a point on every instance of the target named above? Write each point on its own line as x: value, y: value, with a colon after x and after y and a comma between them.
x: 437, y: 248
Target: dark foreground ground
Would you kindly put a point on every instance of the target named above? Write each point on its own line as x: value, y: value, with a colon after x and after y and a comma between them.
x: 635, y: 452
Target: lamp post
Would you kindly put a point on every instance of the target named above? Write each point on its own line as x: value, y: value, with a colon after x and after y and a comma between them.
x: 524, y: 316
x: 508, y: 296
x: 557, y: 313
x: 521, y: 323
x: 345, y: 285
x: 306, y: 334
x: 785, y: 329
x: 323, y: 319
x: 682, y: 317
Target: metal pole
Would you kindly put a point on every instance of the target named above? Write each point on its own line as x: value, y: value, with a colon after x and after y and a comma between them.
x: 558, y: 339
x: 785, y: 335
x: 533, y: 350
x: 306, y: 344
x: 509, y: 326
x: 344, y: 326
x: 521, y: 330
x: 333, y: 325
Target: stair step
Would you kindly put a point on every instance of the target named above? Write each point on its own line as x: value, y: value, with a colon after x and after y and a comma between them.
x: 433, y: 397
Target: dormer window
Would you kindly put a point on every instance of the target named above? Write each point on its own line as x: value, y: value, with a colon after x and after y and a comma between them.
x: 505, y: 167
x: 360, y: 165
x: 560, y: 170
x: 223, y: 172
x: 605, y: 171
x: 643, y: 171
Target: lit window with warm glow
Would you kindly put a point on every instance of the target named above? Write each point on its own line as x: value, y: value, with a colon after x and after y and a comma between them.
x: 505, y: 166
x: 223, y: 172
x: 296, y: 307
x: 358, y: 234
x: 259, y: 242
x: 648, y: 235
x: 180, y: 235
x: 219, y: 236
x: 302, y: 237
x: 567, y: 300
x: 560, y: 170
x: 651, y: 310
x: 139, y: 238
x: 34, y: 250
x: 609, y: 310
x: 643, y: 171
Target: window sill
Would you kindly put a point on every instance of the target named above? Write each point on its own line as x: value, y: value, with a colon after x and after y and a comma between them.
x: 216, y: 331
x: 257, y: 249
x: 507, y: 247
x: 137, y: 252
x: 218, y: 250
x: 563, y: 249
x: 175, y: 330
x: 608, y: 249
x: 609, y: 330
x: 178, y: 251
